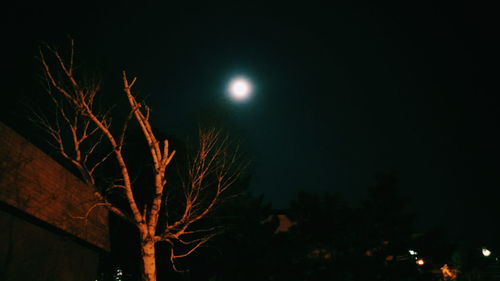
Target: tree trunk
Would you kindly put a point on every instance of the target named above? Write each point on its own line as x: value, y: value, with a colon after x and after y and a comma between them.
x: 148, y: 261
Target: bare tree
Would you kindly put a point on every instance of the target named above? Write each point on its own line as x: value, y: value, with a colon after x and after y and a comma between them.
x: 80, y: 128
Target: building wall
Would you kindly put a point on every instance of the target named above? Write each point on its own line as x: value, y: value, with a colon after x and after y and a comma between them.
x: 29, y: 251
x: 42, y: 237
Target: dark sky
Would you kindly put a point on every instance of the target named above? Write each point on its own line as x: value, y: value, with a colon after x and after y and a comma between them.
x: 341, y: 91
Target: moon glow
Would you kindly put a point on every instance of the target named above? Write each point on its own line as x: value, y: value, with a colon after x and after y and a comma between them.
x: 240, y: 89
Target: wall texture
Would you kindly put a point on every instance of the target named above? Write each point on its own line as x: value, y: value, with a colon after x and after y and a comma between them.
x: 40, y: 225
x: 29, y: 251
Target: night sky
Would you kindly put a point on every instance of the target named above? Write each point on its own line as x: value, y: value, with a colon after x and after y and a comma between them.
x: 340, y: 92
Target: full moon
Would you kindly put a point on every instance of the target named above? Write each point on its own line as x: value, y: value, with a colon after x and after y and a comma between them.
x: 240, y: 89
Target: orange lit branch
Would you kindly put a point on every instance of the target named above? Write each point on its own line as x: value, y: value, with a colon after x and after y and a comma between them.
x: 80, y: 129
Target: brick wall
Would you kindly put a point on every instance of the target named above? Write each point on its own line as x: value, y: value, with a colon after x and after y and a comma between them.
x: 28, y: 252
x: 34, y: 183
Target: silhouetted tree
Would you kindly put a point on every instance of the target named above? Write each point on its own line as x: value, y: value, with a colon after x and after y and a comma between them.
x: 388, y: 222
x: 243, y: 250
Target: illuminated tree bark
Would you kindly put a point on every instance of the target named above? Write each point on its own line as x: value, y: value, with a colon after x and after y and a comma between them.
x: 79, y: 129
x: 148, y: 260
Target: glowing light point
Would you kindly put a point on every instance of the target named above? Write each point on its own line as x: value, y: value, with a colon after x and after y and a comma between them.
x: 486, y: 252
x: 240, y: 89
x: 449, y: 273
x: 420, y: 262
